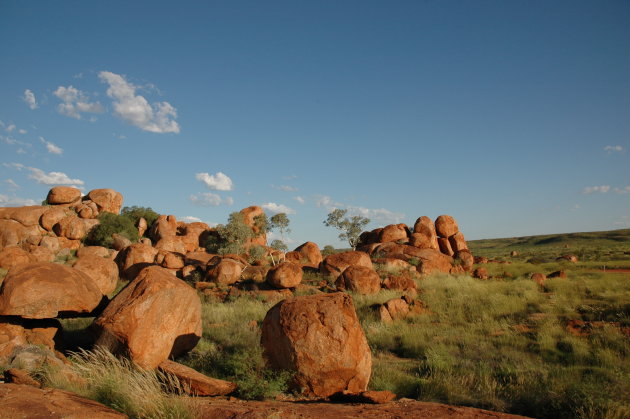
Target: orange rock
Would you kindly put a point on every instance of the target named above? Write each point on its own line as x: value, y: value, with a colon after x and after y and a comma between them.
x: 18, y: 376
x: 425, y: 227
x: 198, y: 258
x: 103, y: 271
x: 63, y: 195
x: 50, y: 243
x: 458, y: 243
x: 446, y: 226
x: 309, y: 255
x: 142, y: 226
x: 196, y: 383
x: 250, y: 213
x: 99, y: 251
x: 465, y: 259
x: 42, y: 254
x: 43, y: 290
x: 173, y: 260
x: 20, y: 401
x: 558, y: 274
x: 119, y: 242
x: 171, y: 244
x: 70, y: 227
x: 226, y: 272
x: 194, y: 235
x: 401, y: 281
x: 285, y: 275
x: 335, y: 264
x: 164, y: 226
x: 539, y: 278
x: 16, y: 332
x: 359, y: 279
x: 397, y: 308
x: 52, y: 216
x: 369, y: 237
x: 27, y: 216
x: 481, y: 273
x: 106, y: 200
x: 394, y: 233
x: 155, y: 317
x: 14, y: 256
x: 445, y: 246
x: 12, y: 233
x: 319, y: 337
x: 134, y: 258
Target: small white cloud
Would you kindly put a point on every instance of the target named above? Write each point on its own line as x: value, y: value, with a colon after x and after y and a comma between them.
x: 299, y: 199
x: 613, y: 148
x: 52, y: 178
x: 277, y: 208
x: 29, y: 98
x: 22, y: 131
x: 12, y: 185
x: 218, y: 182
x: 593, y: 189
x: 75, y: 102
x: 52, y: 148
x: 6, y: 201
x: 16, y: 166
x: 378, y: 215
x: 11, y: 128
x: 622, y: 191
x: 209, y: 199
x: 285, y: 188
x: 20, y: 151
x: 135, y: 109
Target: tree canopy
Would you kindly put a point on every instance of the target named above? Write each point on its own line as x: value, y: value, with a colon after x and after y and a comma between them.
x: 351, y: 227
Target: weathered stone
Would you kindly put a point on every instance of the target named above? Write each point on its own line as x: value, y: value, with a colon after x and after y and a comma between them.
x: 18, y: 376
x: 156, y: 316
x: 335, y: 264
x: 226, y: 272
x: 14, y: 256
x: 171, y: 244
x: 134, y: 258
x: 285, y: 275
x: 63, y: 195
x: 23, y: 401
x: 103, y: 271
x: 398, y: 233
x: 309, y: 255
x: 43, y: 290
x: 249, y: 217
x: 119, y: 242
x: 196, y: 383
x: 142, y: 226
x: 481, y: 273
x: 319, y: 337
x: 359, y: 279
x: 70, y: 227
x: 458, y: 243
x: 16, y: 332
x: 52, y: 216
x: 106, y: 200
x: 445, y: 246
x: 397, y: 308
x: 164, y: 226
x: 465, y: 260
x: 446, y: 226
x: 42, y: 254
x: 99, y: 251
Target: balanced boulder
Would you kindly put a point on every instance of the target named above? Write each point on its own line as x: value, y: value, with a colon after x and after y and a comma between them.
x: 318, y: 337
x: 104, y: 272
x: 63, y: 195
x: 156, y: 316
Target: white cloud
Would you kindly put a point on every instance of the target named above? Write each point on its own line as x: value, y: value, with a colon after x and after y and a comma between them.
x: 378, y: 215
x: 613, y: 148
x: 6, y: 201
x: 22, y: 131
x: 29, y: 98
x: 299, y: 199
x: 209, y: 199
x: 52, y: 148
x: 20, y: 151
x: 16, y: 166
x: 12, y: 185
x: 75, y: 102
x: 285, y: 188
x: 277, y: 208
x: 52, y: 178
x: 135, y: 109
x: 622, y: 191
x: 592, y: 189
x: 218, y: 182
x: 11, y: 128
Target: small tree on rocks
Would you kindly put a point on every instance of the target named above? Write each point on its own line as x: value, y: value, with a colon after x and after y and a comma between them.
x: 351, y: 227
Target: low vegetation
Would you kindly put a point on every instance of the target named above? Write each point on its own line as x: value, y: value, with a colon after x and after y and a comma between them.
x: 109, y: 224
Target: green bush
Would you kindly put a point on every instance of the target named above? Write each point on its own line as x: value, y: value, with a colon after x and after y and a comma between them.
x: 109, y: 223
x: 134, y: 213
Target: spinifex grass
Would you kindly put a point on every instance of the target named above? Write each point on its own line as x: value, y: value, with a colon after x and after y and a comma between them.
x: 504, y: 345
x: 121, y: 385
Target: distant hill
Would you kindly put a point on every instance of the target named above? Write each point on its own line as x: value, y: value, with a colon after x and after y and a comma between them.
x: 595, y: 241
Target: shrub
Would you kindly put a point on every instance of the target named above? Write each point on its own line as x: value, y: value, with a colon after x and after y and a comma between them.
x: 134, y: 213
x: 109, y: 223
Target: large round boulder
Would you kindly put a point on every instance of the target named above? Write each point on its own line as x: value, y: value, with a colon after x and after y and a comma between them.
x: 44, y: 290
x: 285, y: 275
x: 106, y: 200
x: 63, y: 195
x: 249, y: 218
x: 318, y: 337
x: 359, y: 279
x: 446, y: 226
x: 70, y: 227
x: 156, y: 316
x: 309, y: 254
x: 132, y: 259
x: 103, y: 271
x: 394, y: 233
x: 226, y: 271
x: 52, y: 216
x: 424, y: 235
x: 13, y: 256
x: 336, y: 263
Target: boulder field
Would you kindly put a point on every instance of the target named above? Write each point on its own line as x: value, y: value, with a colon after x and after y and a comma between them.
x: 157, y: 316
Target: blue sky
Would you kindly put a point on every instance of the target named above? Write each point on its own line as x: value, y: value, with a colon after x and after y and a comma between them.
x: 512, y: 116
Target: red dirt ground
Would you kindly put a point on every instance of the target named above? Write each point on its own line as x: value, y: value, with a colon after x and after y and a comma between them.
x: 403, y: 408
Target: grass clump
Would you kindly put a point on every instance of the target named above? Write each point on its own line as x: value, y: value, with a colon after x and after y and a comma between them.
x: 230, y: 348
x: 121, y: 385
